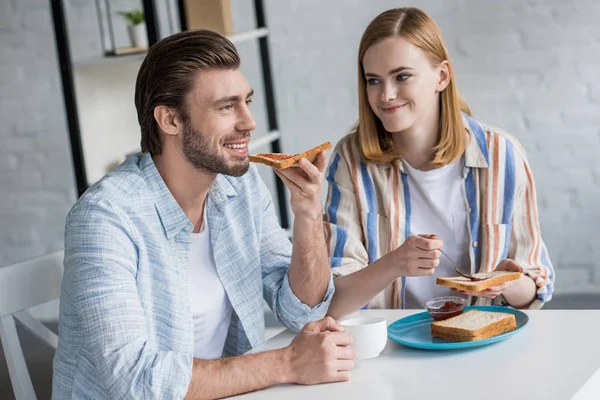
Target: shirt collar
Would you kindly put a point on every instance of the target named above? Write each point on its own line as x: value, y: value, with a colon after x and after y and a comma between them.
x: 476, y: 152
x: 171, y: 215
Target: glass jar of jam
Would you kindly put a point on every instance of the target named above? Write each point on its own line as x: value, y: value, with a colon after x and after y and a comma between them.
x: 441, y: 308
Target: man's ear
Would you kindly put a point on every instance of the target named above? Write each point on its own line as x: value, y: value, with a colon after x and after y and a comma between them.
x: 167, y: 119
x: 445, y: 74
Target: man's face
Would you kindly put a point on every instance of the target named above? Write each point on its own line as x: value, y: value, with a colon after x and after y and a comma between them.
x: 218, y: 122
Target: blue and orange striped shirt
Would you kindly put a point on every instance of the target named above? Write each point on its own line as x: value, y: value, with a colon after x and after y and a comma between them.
x: 368, y: 211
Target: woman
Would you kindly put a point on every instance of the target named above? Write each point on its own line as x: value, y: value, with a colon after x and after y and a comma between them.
x: 419, y: 174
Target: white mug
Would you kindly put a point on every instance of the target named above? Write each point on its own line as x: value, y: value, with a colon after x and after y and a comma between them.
x: 369, y: 335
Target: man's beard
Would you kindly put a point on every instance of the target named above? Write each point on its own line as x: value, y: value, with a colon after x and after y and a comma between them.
x: 198, y: 151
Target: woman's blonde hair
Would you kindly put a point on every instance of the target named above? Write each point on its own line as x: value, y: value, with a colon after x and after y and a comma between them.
x: 420, y: 29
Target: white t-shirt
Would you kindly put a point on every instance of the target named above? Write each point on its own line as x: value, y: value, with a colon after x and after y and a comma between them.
x: 210, y: 305
x: 438, y: 207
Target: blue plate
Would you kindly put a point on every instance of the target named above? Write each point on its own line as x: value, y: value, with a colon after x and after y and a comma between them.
x: 415, y: 330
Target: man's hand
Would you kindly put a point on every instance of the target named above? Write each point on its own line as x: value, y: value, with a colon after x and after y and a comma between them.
x: 319, y: 354
x: 305, y: 184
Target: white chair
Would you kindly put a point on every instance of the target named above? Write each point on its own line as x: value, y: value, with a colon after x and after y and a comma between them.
x: 22, y: 286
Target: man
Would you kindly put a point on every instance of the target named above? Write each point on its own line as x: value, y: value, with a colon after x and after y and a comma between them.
x: 168, y: 258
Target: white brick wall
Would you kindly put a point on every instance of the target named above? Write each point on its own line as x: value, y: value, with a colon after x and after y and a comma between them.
x: 36, y: 178
x: 528, y: 66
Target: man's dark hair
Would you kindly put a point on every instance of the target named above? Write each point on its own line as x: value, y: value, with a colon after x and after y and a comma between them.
x: 168, y: 72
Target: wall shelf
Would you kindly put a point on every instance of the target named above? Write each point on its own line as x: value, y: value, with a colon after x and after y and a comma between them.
x: 109, y: 60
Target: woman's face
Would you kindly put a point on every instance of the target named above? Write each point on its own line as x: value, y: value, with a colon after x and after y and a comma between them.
x: 402, y: 86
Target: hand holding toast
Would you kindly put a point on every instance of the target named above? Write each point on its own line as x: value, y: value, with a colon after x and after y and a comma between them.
x: 495, y: 291
x: 305, y: 184
x: 418, y: 256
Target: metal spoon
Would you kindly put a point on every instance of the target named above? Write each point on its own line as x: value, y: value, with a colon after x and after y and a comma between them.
x: 468, y: 276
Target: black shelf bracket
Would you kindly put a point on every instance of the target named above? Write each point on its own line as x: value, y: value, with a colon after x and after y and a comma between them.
x: 63, y: 51
x: 151, y: 21
x: 271, y: 107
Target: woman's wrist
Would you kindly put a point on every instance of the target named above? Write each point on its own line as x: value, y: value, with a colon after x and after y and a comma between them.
x: 521, y: 293
x: 391, y: 266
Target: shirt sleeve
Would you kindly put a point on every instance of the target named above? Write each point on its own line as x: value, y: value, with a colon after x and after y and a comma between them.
x: 343, y: 230
x: 526, y: 244
x: 100, y: 283
x: 276, y: 257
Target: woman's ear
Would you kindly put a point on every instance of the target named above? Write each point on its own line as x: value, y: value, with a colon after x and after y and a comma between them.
x: 445, y: 74
x: 167, y: 120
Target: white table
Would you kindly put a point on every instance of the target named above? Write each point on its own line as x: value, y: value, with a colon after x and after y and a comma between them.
x: 553, y: 357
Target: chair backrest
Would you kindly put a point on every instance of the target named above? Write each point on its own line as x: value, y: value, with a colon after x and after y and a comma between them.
x: 30, y: 283
x: 22, y: 286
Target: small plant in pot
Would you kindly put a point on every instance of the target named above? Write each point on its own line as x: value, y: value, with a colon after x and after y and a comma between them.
x: 136, y: 27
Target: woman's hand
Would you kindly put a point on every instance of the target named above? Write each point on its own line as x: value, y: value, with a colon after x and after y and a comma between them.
x: 495, y: 291
x: 417, y: 256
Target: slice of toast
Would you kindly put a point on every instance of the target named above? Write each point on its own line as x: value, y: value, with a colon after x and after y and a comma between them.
x: 486, y: 335
x: 283, y: 161
x: 489, y: 279
x: 473, y: 325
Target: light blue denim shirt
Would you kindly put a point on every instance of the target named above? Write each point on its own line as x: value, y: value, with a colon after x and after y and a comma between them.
x: 125, y: 326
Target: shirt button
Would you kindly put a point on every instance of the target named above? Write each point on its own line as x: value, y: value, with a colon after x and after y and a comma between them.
x: 475, y: 244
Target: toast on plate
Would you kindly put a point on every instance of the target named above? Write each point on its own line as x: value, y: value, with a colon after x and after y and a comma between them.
x: 473, y: 325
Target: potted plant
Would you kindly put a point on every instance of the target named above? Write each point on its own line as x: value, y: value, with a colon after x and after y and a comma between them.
x: 136, y: 27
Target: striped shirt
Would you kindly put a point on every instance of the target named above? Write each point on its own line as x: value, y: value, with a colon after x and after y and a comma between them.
x: 368, y: 212
x: 126, y: 329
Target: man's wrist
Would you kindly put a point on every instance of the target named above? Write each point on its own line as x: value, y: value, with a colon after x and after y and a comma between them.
x: 309, y: 216
x: 283, y: 365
